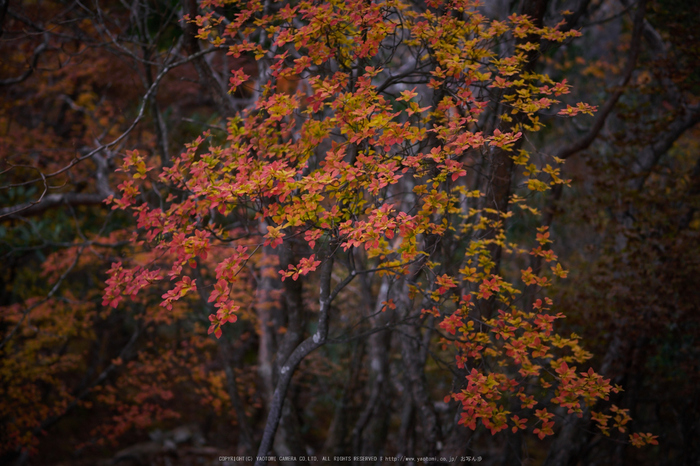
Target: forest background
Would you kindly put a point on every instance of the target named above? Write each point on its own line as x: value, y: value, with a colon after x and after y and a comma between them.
x: 350, y: 228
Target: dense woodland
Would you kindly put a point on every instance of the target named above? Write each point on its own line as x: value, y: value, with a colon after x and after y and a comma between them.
x: 464, y: 230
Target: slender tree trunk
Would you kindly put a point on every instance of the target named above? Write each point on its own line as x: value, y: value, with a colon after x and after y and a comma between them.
x: 371, y: 428
x: 300, y: 352
x: 245, y: 444
x: 414, y: 365
x: 267, y: 306
x: 337, y: 441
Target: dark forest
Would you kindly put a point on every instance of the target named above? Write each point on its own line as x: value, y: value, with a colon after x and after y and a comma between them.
x: 349, y: 232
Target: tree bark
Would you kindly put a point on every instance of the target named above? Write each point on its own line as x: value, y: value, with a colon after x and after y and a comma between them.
x: 300, y: 352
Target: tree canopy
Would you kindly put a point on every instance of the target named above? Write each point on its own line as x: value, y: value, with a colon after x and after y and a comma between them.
x: 457, y: 231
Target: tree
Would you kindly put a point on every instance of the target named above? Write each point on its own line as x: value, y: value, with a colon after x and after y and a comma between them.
x: 358, y: 174
x: 372, y: 194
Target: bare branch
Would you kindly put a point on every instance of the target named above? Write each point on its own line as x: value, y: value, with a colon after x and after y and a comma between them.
x: 651, y: 155
x: 35, y: 58
x: 52, y: 200
x: 144, y: 101
x: 602, y: 115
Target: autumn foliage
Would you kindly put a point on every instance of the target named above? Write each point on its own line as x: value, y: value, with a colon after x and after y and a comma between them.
x: 355, y: 172
x: 365, y: 219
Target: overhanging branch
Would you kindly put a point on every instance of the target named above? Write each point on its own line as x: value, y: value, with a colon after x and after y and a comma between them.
x: 602, y: 115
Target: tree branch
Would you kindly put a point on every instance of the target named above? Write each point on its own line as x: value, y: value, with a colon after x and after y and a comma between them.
x: 50, y: 201
x: 35, y: 56
x: 144, y: 101
x: 602, y: 115
x: 300, y: 352
x: 206, y: 74
x: 653, y: 153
